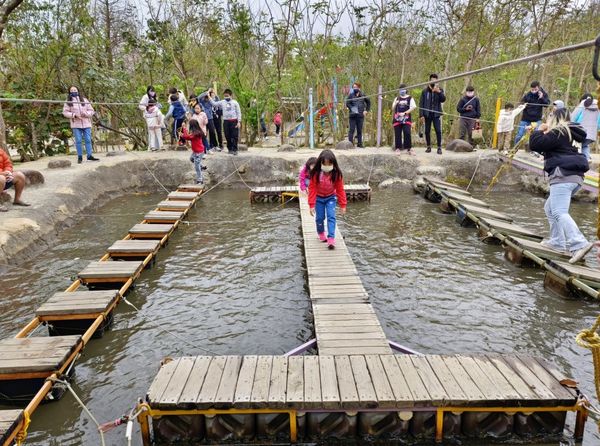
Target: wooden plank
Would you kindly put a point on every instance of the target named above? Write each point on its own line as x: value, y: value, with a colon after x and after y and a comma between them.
x: 161, y: 381
x: 262, y: 381
x: 312, y: 383
x: 355, y: 351
x: 417, y: 388
x: 559, y: 391
x: 145, y: 228
x: 174, y: 205
x: 529, y: 377
x: 347, y: 387
x: 557, y: 374
x: 483, y: 382
x: 185, y: 196
x: 121, y: 269
x: 77, y: 302
x: 32, y: 355
x: 468, y: 386
x: 224, y: 398
x: 503, y: 386
x: 330, y: 395
x: 522, y: 388
x: 400, y: 388
x: 295, y: 382
x: 208, y: 392
x: 364, y: 385
x: 9, y: 421
x: 278, y: 385
x: 383, y: 390
x: 483, y: 212
x: 358, y: 343
x: 134, y: 246
x: 178, y: 381
x: 430, y: 381
x: 243, y: 390
x: 452, y: 388
x: 191, y: 390
x: 580, y: 272
x: 509, y: 228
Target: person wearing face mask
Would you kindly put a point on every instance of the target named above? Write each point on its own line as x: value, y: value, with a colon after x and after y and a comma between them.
x: 402, y: 107
x: 588, y: 115
x: 232, y: 119
x: 430, y: 111
x: 150, y: 95
x: 359, y: 105
x: 536, y: 100
x: 79, y: 111
x: 470, y: 111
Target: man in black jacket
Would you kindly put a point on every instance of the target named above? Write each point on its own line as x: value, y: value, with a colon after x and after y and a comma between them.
x: 359, y: 105
x: 536, y: 100
x: 470, y: 111
x: 430, y: 111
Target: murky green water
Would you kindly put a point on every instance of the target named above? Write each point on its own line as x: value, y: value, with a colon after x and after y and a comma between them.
x: 232, y: 282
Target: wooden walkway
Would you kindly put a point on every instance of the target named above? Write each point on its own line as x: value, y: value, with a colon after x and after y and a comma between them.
x: 28, y: 364
x: 522, y: 246
x: 265, y: 194
x: 345, y: 322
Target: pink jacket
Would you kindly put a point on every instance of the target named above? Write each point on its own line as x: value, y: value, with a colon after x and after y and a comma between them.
x: 302, y: 179
x: 79, y: 113
x: 202, y: 120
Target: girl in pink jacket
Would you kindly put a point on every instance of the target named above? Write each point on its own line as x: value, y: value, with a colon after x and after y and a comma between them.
x: 202, y: 119
x: 79, y: 111
x: 304, y: 175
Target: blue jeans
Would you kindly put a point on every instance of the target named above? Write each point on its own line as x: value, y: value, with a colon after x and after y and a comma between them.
x: 86, y: 135
x: 522, y: 127
x: 326, y: 206
x: 585, y: 148
x: 564, y: 233
x: 196, y: 158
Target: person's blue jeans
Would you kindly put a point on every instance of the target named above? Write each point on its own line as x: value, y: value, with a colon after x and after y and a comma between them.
x: 585, y: 148
x: 196, y: 158
x: 522, y: 128
x: 564, y: 233
x: 325, y: 206
x: 85, y: 135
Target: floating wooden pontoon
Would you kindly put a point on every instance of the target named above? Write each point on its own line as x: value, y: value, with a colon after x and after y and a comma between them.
x: 526, y: 252
x: 163, y: 217
x: 75, y: 312
x: 523, y: 247
x: 174, y: 205
x: 29, y: 365
x: 150, y: 231
x: 271, y: 194
x: 241, y: 399
x: 355, y: 389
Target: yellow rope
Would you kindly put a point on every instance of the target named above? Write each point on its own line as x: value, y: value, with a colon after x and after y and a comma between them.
x: 590, y: 339
x: 20, y: 438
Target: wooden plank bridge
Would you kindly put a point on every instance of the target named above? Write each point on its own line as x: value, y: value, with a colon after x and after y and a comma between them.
x: 30, y: 364
x: 522, y: 245
x: 266, y: 194
x: 356, y: 387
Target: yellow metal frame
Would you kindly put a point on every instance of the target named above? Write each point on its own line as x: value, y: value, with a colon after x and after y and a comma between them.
x: 147, y: 412
x: 497, y: 116
x: 290, y: 195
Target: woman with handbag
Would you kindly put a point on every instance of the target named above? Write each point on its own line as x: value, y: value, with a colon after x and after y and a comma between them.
x: 565, y: 167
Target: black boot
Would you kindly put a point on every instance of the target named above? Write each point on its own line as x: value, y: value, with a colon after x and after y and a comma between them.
x: 91, y: 158
x: 439, y: 151
x: 428, y: 150
x: 79, y: 160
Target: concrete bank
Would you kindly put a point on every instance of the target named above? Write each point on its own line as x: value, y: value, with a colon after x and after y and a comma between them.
x: 79, y: 189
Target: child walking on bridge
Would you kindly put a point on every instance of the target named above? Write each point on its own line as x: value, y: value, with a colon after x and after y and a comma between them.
x: 195, y: 135
x: 326, y: 189
x: 305, y: 174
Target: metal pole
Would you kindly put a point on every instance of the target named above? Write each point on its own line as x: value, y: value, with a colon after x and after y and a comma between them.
x: 310, y: 119
x: 495, y: 137
x: 334, y: 108
x: 379, y: 111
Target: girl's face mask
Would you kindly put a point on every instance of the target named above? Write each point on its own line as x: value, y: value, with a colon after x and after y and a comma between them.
x: 326, y: 169
x: 470, y: 94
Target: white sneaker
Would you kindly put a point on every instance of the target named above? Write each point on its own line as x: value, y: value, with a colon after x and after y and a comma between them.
x: 546, y: 244
x: 580, y: 253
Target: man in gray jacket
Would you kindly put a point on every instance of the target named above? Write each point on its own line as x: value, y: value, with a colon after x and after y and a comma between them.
x: 232, y: 120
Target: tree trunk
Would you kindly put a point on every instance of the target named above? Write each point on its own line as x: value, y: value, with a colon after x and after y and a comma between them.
x: 3, y: 145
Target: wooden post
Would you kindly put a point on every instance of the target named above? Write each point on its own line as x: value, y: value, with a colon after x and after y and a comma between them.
x: 311, y: 119
x: 379, y: 112
x: 334, y: 107
x: 495, y: 137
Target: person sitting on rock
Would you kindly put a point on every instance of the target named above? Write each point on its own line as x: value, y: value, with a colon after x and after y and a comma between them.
x: 10, y: 178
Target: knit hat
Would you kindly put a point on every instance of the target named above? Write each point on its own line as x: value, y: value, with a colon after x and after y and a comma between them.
x: 558, y: 104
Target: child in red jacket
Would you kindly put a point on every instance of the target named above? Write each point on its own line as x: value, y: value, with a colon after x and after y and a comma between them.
x: 325, y: 190
x: 195, y: 135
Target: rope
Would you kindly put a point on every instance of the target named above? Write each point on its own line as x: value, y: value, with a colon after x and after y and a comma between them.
x: 83, y: 406
x: 475, y: 171
x: 590, y: 340
x: 151, y: 173
x: 371, y: 170
x: 22, y: 434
